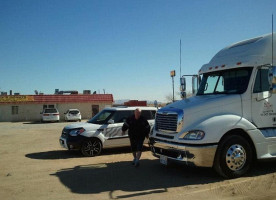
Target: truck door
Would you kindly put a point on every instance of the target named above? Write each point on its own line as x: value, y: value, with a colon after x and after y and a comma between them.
x: 263, y: 102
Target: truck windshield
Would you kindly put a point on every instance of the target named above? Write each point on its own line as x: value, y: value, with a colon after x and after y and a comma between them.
x: 102, y: 117
x: 234, y: 81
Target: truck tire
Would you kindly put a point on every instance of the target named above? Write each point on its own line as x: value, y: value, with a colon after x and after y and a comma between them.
x: 234, y: 157
x: 92, y: 147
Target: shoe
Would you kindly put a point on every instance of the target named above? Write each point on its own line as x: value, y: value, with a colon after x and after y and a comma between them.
x: 134, y: 161
x: 137, y: 163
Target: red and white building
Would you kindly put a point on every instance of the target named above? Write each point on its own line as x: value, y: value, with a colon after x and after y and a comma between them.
x: 28, y: 107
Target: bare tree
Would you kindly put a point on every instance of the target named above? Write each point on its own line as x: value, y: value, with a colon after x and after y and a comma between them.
x: 169, y: 98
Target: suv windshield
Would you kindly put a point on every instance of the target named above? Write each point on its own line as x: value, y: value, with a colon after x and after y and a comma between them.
x: 234, y: 81
x: 102, y: 117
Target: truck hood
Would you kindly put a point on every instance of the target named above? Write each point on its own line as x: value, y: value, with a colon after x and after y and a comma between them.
x: 85, y: 125
x: 200, y: 108
x: 205, y: 102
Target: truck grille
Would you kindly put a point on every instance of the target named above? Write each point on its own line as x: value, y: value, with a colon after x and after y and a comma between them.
x: 169, y: 120
x: 166, y: 122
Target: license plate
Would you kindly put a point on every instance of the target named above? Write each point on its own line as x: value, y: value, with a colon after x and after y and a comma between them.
x: 163, y: 160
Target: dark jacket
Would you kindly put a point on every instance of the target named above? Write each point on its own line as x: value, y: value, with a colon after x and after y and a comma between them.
x: 137, y: 129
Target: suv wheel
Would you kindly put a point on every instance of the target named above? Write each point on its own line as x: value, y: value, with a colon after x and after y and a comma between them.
x: 91, y: 148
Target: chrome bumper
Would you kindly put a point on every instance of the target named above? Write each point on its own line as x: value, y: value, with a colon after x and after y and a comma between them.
x: 201, y: 156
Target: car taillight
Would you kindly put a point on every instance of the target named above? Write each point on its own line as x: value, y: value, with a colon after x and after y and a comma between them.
x: 45, y: 114
x: 56, y: 114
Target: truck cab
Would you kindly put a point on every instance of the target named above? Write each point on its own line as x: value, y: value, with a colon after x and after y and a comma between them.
x: 231, y: 121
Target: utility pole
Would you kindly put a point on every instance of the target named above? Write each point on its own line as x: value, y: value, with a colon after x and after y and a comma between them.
x: 173, y: 75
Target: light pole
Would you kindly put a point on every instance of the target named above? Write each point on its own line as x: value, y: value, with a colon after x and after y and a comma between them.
x: 173, y: 75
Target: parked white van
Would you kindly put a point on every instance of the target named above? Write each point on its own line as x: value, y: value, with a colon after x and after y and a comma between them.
x: 232, y: 119
x: 104, y: 130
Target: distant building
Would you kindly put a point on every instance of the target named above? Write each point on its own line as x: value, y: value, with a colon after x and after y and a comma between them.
x: 28, y: 107
x: 135, y: 103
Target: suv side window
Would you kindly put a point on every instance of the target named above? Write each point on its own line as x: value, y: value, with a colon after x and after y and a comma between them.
x: 148, y: 114
x: 261, y: 82
x: 121, y: 116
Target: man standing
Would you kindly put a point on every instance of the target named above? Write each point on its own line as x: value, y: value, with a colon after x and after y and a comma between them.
x: 138, y: 128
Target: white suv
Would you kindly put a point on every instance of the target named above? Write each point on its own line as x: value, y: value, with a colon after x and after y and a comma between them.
x: 72, y: 115
x: 104, y: 130
x: 50, y: 114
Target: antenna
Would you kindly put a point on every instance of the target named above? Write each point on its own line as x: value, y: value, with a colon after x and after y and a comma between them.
x: 272, y: 40
x: 180, y: 59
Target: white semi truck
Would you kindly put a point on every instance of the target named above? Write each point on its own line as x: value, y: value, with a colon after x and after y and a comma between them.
x: 231, y: 121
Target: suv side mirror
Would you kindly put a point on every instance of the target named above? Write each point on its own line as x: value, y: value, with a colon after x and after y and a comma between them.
x: 111, y: 121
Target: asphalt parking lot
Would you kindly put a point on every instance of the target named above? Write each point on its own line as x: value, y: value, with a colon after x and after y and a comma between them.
x: 34, y: 166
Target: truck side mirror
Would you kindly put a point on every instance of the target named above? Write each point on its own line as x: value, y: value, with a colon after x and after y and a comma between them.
x: 183, y: 95
x: 195, y: 83
x: 199, y: 80
x: 182, y: 84
x: 272, y: 79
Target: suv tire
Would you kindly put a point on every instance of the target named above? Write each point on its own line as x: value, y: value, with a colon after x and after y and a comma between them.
x: 92, y: 147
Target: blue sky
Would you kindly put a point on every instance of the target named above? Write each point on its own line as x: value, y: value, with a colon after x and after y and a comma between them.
x: 126, y: 47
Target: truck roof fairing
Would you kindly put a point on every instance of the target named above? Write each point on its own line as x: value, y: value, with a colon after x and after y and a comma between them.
x: 251, y: 52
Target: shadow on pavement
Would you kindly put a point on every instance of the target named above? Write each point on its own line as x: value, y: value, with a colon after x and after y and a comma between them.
x: 65, y: 154
x: 123, y: 180
x: 263, y: 167
x: 52, y: 155
x: 50, y: 122
x: 39, y: 122
x: 149, y: 177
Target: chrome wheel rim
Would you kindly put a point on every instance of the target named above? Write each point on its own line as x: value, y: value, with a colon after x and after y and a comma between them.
x: 92, y: 148
x: 235, y: 157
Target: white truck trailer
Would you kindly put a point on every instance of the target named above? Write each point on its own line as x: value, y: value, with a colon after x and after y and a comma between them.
x: 231, y: 121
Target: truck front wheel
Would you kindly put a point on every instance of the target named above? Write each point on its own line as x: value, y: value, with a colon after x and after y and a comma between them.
x: 234, y: 157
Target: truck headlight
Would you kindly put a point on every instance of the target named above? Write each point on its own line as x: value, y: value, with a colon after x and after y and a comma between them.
x: 194, y: 135
x: 76, y: 132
